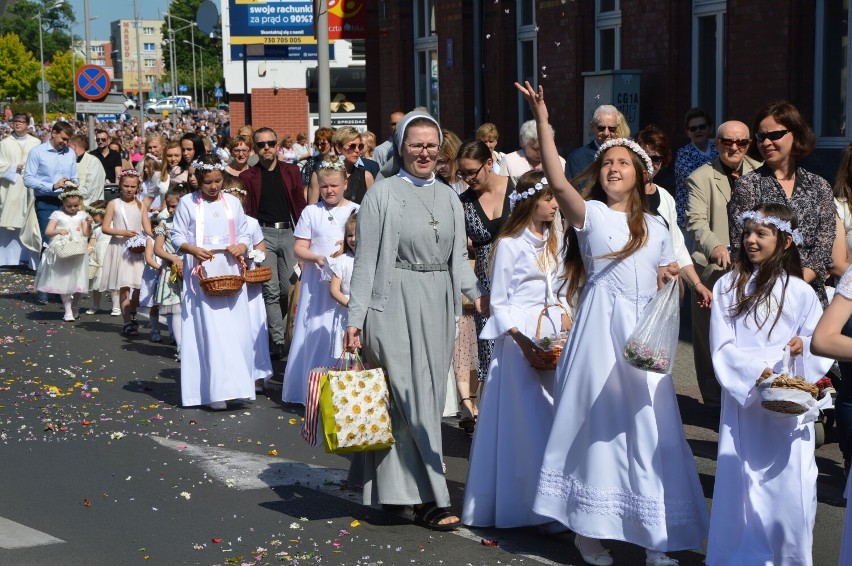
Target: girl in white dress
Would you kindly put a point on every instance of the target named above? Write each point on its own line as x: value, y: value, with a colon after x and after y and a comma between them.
x: 67, y: 277
x: 516, y: 412
x: 217, y: 347
x: 617, y: 465
x: 122, y: 269
x: 764, y: 501
x: 828, y: 340
x: 169, y: 287
x: 262, y: 361
x: 341, y: 276
x: 150, y: 282
x: 98, y: 244
x: 318, y: 235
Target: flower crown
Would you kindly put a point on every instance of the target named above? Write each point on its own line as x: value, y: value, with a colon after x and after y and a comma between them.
x: 231, y: 190
x: 332, y: 165
x: 780, y: 225
x: 69, y: 194
x: 153, y: 158
x: 517, y: 197
x: 208, y: 166
x: 94, y: 211
x: 127, y: 173
x: 632, y: 146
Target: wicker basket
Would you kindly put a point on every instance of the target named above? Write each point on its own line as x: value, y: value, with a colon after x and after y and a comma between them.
x: 796, y: 401
x: 136, y: 250
x: 69, y: 247
x: 258, y: 275
x: 546, y: 358
x: 221, y: 285
x: 93, y: 269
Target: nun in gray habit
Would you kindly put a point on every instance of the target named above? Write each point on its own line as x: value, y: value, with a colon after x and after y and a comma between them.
x: 410, y: 271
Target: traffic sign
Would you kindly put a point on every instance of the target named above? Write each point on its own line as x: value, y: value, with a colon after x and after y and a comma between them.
x: 92, y: 82
x: 43, y: 86
x: 167, y: 87
x: 183, y: 88
x: 218, y: 93
x: 100, y: 108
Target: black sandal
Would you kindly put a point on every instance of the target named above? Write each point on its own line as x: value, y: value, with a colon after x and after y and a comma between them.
x: 429, y: 515
x: 468, y: 423
x: 129, y: 330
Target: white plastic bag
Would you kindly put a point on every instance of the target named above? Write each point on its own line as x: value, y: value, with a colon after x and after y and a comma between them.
x: 653, y: 343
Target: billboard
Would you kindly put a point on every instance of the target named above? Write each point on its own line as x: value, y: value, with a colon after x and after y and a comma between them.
x: 291, y: 22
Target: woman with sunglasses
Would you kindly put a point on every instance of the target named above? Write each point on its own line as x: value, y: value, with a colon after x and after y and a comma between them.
x: 656, y: 145
x: 486, y: 208
x: 781, y: 137
x: 348, y: 145
x: 322, y: 147
x: 698, y: 125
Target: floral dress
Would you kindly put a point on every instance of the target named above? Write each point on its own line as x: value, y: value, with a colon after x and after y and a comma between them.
x: 688, y: 159
x: 167, y: 293
x: 481, y: 231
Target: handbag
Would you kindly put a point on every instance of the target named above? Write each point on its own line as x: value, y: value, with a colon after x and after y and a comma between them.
x: 354, y: 406
x: 653, y: 343
x: 68, y: 246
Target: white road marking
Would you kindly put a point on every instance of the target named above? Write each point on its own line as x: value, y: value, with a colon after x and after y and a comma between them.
x: 243, y: 471
x: 16, y: 535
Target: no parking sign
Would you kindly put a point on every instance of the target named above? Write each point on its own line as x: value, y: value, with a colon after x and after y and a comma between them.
x: 92, y: 82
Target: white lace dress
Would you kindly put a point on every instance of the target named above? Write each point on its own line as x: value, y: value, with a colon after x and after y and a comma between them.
x: 64, y: 276
x: 617, y: 465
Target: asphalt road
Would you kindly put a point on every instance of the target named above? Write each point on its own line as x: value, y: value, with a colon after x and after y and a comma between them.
x: 101, y: 465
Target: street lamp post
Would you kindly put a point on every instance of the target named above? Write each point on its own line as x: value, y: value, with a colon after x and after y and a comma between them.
x: 201, y: 55
x: 41, y: 54
x: 172, y: 32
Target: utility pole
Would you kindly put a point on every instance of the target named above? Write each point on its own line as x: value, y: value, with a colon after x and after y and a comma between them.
x: 90, y: 118
x: 141, y: 98
x: 323, y: 72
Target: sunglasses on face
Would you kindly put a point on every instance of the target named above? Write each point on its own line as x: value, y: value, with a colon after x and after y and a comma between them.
x: 727, y: 142
x: 771, y: 136
x: 262, y: 144
x: 102, y: 139
x: 698, y: 128
x: 353, y: 146
x: 605, y: 128
x: 656, y: 159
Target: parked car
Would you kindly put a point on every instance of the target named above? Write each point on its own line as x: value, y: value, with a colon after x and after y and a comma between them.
x: 172, y: 104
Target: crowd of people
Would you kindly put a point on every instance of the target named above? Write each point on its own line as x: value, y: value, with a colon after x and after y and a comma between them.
x: 455, y: 267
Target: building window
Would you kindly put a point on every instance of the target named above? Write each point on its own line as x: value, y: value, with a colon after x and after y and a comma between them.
x: 149, y: 79
x: 148, y: 31
x: 426, y: 56
x: 150, y: 47
x: 607, y: 35
x: 150, y: 63
x: 527, y: 51
x: 708, y: 56
x: 831, y: 73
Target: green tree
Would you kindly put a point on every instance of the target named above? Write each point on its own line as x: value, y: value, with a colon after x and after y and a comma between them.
x: 212, y: 48
x: 19, y: 70
x: 56, y: 22
x: 60, y: 73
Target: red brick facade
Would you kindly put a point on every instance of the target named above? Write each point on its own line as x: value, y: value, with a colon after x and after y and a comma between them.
x: 769, y: 50
x: 284, y: 110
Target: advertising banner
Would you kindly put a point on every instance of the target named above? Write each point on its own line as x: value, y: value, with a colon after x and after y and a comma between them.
x: 291, y: 22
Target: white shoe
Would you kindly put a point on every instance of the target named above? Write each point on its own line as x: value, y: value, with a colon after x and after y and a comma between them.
x: 655, y: 558
x: 115, y: 312
x: 598, y: 557
x: 218, y: 406
x: 91, y: 311
x: 68, y: 317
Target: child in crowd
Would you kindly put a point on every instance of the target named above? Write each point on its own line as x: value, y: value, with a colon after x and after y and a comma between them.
x: 341, y: 274
x: 217, y: 348
x: 170, y: 283
x: 149, y: 284
x: 765, y: 500
x: 262, y: 361
x: 617, y: 465
x: 98, y: 244
x: 122, y: 268
x: 168, y: 174
x: 318, y: 233
x: 516, y: 413
x: 66, y: 276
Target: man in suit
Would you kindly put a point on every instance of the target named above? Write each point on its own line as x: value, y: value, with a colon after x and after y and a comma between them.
x: 707, y: 222
x: 604, y: 124
x: 276, y: 199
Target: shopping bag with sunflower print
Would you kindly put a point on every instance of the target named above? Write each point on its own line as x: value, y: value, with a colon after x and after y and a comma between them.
x: 355, y: 409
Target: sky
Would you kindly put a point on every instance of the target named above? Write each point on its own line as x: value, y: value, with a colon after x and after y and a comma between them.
x: 108, y: 11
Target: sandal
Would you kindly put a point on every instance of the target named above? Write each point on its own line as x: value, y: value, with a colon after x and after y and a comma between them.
x: 468, y: 422
x: 429, y: 515
x: 129, y: 329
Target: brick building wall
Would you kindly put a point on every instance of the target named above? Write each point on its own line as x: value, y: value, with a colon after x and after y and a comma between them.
x: 284, y: 110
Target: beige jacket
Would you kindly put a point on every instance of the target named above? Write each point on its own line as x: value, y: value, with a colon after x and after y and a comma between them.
x: 707, y: 212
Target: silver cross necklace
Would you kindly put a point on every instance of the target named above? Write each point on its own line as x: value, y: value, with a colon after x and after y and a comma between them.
x: 434, y: 223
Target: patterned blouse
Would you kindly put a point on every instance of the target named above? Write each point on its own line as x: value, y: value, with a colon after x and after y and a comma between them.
x: 844, y: 288
x: 813, y: 204
x: 688, y: 159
